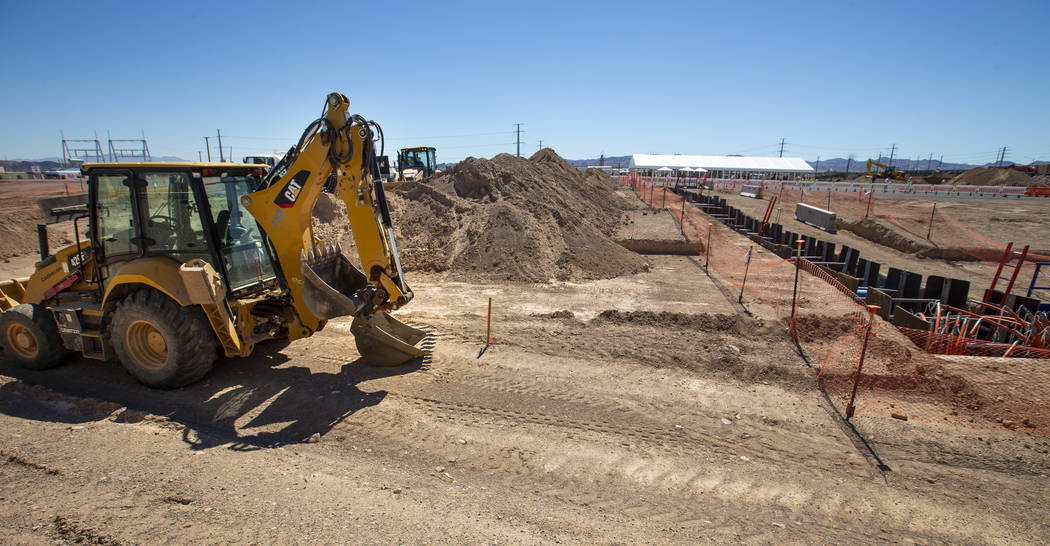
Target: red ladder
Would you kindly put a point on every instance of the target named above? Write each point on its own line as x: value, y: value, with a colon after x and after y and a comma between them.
x: 1008, y: 254
x: 765, y: 219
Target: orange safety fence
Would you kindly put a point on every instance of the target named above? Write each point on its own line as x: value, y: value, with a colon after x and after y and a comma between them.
x: 970, y: 384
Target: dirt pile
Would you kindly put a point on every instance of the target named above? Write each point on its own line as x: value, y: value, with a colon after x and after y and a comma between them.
x: 992, y: 176
x: 879, y: 232
x: 18, y: 234
x: 506, y: 218
x: 937, y: 178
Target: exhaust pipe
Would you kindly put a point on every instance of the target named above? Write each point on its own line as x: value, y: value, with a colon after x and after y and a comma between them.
x: 41, y: 236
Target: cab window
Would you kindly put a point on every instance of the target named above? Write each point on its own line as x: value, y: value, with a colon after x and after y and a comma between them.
x: 116, y: 226
x: 171, y: 220
x: 241, y: 243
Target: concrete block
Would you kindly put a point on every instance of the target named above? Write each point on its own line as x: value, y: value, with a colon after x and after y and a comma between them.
x: 882, y: 299
x: 816, y: 217
x: 907, y: 319
x: 748, y: 190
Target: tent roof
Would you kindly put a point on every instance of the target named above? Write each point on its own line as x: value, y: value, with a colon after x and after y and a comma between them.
x: 722, y: 162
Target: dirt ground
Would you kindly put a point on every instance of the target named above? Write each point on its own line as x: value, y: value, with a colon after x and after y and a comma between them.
x: 21, y: 214
x: 647, y: 408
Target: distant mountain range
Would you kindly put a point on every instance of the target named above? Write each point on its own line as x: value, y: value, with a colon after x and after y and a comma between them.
x: 49, y: 163
x: 838, y: 164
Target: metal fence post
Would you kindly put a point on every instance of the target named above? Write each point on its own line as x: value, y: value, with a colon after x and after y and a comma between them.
x: 747, y: 264
x: 683, y: 218
x: 707, y: 249
x: 794, y: 291
x: 850, y: 408
x: 930, y: 230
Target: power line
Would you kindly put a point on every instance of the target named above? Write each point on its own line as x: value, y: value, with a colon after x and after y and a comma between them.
x: 458, y: 136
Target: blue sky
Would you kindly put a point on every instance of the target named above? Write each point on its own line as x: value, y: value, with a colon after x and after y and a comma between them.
x: 960, y: 79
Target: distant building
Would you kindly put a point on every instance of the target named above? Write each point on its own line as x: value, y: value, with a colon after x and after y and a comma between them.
x: 723, y: 166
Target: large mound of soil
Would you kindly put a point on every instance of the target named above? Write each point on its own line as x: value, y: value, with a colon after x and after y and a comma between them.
x: 992, y: 176
x: 507, y: 218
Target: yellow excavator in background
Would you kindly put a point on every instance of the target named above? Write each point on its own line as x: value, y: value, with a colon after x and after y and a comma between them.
x: 885, y: 172
x: 183, y: 260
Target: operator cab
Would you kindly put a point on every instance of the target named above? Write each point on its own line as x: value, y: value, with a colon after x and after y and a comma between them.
x: 181, y: 211
x: 417, y: 163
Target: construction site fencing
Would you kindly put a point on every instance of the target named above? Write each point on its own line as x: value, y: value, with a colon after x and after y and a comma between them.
x: 866, y: 365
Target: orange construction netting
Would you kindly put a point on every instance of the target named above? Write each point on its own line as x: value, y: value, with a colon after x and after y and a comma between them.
x: 969, y: 385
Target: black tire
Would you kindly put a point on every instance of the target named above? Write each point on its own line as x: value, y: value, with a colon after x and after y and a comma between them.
x: 161, y: 343
x: 30, y: 337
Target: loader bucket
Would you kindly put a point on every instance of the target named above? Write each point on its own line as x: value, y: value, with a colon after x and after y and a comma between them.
x: 330, y: 282
x: 383, y: 340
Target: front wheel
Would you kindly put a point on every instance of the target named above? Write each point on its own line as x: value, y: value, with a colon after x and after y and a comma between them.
x: 161, y: 343
x: 30, y: 338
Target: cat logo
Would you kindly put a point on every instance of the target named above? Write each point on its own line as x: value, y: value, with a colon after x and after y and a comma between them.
x: 290, y: 193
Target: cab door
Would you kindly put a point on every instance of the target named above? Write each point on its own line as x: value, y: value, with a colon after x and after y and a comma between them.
x: 114, y: 229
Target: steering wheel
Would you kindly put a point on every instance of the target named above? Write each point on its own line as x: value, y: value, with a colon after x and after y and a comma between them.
x: 161, y: 226
x: 237, y: 234
x: 168, y: 220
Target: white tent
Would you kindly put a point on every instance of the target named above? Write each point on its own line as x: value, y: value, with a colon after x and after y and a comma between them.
x: 725, y: 163
x: 665, y: 169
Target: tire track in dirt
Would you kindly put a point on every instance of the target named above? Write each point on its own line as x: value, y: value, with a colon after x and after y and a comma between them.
x: 530, y: 472
x: 544, y: 403
x: 539, y: 468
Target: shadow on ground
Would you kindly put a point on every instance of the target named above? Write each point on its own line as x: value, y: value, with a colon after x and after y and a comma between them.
x: 250, y: 403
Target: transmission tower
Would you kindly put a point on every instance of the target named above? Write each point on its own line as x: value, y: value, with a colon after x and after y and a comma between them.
x: 120, y: 150
x: 81, y: 150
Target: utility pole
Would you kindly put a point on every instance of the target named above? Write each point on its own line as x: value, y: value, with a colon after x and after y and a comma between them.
x: 781, y: 147
x: 208, y: 146
x: 816, y: 168
x: 929, y: 161
x: 1002, y: 157
x: 601, y: 160
x: 940, y: 162
x: 219, y: 136
x: 848, y: 161
x: 518, y: 125
x: 892, y: 149
x: 541, y: 144
x: 199, y: 158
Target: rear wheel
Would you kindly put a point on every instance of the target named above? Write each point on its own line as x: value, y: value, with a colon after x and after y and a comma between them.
x: 30, y: 337
x: 161, y: 343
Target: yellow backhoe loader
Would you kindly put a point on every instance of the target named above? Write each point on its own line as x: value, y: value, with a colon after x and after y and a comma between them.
x: 183, y: 260
x: 416, y: 163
